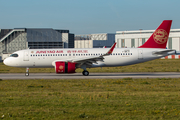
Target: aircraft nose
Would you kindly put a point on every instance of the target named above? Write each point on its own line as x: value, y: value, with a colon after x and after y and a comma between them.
x: 5, y: 62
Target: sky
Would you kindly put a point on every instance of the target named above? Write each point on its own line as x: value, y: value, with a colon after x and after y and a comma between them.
x: 89, y: 16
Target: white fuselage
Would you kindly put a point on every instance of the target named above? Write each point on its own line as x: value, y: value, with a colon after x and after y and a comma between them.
x: 44, y: 57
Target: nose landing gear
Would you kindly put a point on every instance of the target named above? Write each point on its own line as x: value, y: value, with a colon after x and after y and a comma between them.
x: 27, y: 72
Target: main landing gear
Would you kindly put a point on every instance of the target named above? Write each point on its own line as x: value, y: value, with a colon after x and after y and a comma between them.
x: 27, y: 72
x: 85, y: 73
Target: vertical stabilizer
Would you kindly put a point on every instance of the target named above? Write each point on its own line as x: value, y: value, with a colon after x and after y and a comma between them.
x: 160, y: 37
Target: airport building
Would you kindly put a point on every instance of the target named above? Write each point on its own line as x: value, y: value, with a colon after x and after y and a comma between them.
x: 139, y: 37
x: 94, y: 40
x: 136, y: 38
x: 12, y: 40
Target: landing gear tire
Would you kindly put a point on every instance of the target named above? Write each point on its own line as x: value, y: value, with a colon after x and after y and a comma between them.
x: 85, y: 73
x: 26, y: 74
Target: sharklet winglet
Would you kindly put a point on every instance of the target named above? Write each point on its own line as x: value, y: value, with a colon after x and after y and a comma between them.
x: 110, y: 50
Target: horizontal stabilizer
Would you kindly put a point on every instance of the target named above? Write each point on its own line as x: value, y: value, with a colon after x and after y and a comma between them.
x: 162, y: 52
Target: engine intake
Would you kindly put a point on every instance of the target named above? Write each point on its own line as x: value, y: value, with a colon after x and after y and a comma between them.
x: 65, y: 67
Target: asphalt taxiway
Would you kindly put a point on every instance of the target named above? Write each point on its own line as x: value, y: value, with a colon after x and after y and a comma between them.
x: 91, y: 75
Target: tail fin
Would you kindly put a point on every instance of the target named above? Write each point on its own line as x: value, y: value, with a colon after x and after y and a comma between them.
x: 160, y: 37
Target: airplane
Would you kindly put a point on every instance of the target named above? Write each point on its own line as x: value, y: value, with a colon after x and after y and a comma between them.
x: 68, y: 60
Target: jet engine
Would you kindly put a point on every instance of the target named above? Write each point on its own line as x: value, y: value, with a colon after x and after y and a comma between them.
x: 65, y: 67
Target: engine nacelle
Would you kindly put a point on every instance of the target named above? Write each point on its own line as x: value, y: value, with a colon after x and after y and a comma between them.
x: 65, y: 67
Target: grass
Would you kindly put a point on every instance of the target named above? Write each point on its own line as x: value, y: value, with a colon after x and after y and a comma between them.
x: 160, y: 65
x: 125, y: 98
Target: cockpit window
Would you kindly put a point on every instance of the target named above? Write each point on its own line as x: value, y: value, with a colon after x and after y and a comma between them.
x: 14, y: 55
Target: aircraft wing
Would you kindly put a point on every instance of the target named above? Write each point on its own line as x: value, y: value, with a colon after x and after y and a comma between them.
x: 88, y: 60
x: 96, y: 58
x: 163, y: 52
x: 93, y: 59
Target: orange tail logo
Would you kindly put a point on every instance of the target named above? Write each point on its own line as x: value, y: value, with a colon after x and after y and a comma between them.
x: 160, y: 36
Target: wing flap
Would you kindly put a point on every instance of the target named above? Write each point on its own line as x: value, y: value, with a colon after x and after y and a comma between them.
x: 90, y: 59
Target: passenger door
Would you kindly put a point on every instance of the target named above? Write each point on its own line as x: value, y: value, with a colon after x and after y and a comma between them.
x: 26, y: 55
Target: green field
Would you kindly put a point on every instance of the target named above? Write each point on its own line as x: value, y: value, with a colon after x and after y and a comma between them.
x: 160, y: 65
x: 90, y: 99
x: 103, y: 99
